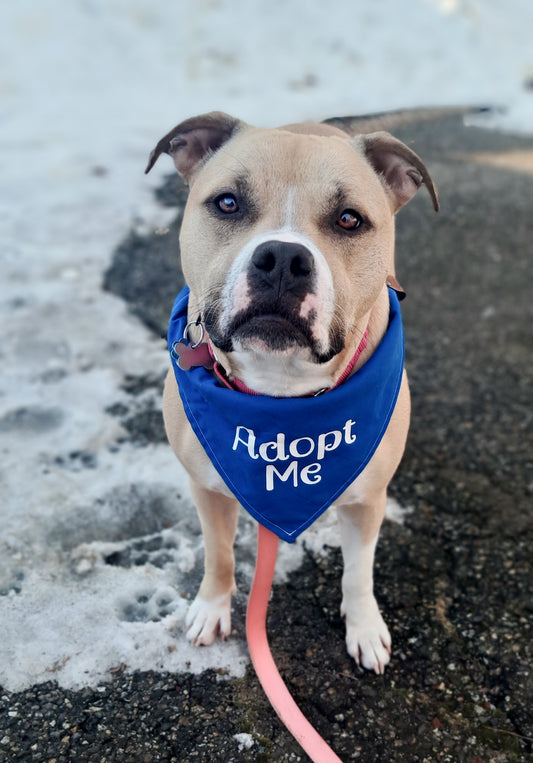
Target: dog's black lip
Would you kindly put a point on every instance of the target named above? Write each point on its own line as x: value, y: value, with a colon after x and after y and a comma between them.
x: 296, y: 330
x: 268, y: 317
x: 273, y: 329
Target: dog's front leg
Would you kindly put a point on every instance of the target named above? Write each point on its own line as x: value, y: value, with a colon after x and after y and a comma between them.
x: 367, y: 637
x: 210, y: 612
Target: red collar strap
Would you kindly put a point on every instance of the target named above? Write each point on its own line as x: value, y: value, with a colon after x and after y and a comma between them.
x: 240, y: 386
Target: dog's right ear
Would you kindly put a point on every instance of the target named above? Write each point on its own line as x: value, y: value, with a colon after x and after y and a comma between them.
x: 189, y: 142
x: 403, y: 172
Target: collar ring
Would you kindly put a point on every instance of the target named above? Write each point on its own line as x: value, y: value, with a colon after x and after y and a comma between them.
x: 198, y: 324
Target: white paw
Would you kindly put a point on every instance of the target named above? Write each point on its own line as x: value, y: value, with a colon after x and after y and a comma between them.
x: 205, y: 619
x: 367, y: 637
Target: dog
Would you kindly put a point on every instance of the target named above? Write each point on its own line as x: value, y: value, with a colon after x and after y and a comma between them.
x: 287, y: 246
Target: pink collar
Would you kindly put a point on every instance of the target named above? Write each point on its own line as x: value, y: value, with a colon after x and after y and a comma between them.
x: 240, y: 386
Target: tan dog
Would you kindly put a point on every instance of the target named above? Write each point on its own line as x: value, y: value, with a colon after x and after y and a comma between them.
x: 307, y: 211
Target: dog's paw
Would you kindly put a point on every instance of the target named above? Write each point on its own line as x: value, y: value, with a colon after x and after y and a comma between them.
x: 367, y: 637
x: 205, y: 619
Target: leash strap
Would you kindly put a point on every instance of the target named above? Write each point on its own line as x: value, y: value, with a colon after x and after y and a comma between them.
x: 265, y: 667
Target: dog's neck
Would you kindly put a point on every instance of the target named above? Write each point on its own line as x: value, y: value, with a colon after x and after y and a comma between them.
x: 285, y: 375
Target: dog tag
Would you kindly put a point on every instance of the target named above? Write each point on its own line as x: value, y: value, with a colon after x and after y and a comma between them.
x: 188, y: 356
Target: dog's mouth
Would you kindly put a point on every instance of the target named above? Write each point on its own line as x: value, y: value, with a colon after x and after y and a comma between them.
x: 275, y: 331
x: 264, y: 329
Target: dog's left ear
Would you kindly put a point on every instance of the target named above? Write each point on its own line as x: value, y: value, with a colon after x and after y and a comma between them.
x: 401, y: 169
x: 190, y: 141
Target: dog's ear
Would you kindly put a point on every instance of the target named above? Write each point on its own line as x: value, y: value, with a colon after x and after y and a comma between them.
x: 189, y: 142
x: 401, y: 169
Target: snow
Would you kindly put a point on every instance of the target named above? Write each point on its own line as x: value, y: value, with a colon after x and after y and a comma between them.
x: 86, y: 89
x: 245, y: 741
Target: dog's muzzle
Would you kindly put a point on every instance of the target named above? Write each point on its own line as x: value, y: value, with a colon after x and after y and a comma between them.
x: 282, y: 285
x: 279, y: 276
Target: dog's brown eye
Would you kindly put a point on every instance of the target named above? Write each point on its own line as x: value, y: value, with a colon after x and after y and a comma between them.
x: 349, y: 219
x: 227, y: 203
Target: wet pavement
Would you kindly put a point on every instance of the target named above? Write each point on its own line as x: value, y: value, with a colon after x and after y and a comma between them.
x: 454, y: 582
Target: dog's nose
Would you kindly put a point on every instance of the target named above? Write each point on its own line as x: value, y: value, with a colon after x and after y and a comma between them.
x: 283, y: 265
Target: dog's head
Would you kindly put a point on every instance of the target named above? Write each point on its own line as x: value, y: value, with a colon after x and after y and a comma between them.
x: 288, y: 234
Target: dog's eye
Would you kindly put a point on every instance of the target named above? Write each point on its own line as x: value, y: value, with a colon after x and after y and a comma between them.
x: 227, y: 203
x: 350, y: 219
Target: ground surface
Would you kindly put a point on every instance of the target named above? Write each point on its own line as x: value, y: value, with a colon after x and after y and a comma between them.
x: 454, y: 582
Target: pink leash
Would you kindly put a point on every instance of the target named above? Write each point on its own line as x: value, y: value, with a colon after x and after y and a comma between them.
x: 265, y: 667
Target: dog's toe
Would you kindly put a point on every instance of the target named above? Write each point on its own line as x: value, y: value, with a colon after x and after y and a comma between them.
x: 373, y: 652
x: 205, y: 619
x: 368, y: 640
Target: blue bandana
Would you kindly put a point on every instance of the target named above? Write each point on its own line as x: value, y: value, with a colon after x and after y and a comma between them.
x: 288, y: 459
